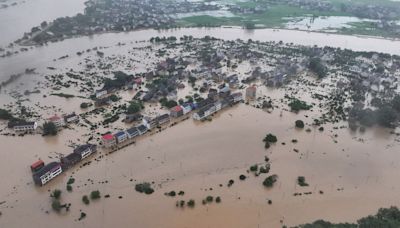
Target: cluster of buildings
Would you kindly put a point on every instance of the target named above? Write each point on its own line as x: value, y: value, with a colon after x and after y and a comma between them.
x: 210, y: 106
x: 59, y: 121
x: 44, y: 173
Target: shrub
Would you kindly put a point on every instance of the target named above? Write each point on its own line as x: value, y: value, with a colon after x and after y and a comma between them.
x: 181, y: 193
x: 83, y: 215
x: 71, y: 180
x: 56, y: 205
x: 254, y: 168
x: 49, y: 128
x: 95, y: 195
x: 85, y: 199
x: 296, y: 105
x: 299, y: 124
x: 171, y: 193
x: 270, y: 138
x: 265, y: 169
x: 230, y: 183
x: 191, y: 203
x: 209, y: 199
x: 218, y: 199
x: 242, y: 177
x: 56, y: 194
x: 182, y: 203
x: 84, y: 105
x: 144, y: 188
x: 302, y: 181
x: 269, y: 181
x: 69, y: 188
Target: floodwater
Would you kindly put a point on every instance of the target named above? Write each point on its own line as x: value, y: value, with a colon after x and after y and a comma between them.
x: 323, y: 23
x: 16, y: 20
x: 18, y: 63
x: 354, y: 171
x: 355, y: 176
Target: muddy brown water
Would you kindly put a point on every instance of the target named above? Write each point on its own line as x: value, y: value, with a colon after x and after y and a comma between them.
x: 193, y: 157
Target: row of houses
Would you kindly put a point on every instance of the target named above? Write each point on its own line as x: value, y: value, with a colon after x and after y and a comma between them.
x: 24, y: 126
x: 215, y: 106
x: 111, y: 140
x: 42, y: 173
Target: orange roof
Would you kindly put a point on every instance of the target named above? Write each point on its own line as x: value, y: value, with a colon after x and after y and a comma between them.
x: 36, y: 164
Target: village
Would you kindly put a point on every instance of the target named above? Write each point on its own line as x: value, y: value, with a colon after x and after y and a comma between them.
x: 203, y: 82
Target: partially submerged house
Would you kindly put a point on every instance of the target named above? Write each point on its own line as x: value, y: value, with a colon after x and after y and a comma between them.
x: 71, y: 118
x: 121, y: 136
x: 109, y: 140
x: 57, y: 120
x: 47, y: 173
x: 25, y: 126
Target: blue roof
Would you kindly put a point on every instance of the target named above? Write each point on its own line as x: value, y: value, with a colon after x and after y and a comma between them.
x: 120, y: 133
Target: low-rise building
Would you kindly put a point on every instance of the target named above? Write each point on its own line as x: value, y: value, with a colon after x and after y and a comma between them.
x: 57, y: 120
x: 70, y: 160
x: 176, y: 111
x: 85, y: 150
x: 101, y: 93
x: 25, y: 126
x: 132, y: 132
x: 163, y: 119
x: 37, y: 166
x: 251, y: 92
x: 109, y: 140
x: 71, y: 118
x: 142, y: 129
x: 47, y: 173
x: 121, y: 136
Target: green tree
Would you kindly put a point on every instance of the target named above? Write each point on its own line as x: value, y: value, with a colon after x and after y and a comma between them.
x: 95, y: 195
x: 56, y: 194
x: 299, y: 124
x: 134, y: 107
x: 49, y: 128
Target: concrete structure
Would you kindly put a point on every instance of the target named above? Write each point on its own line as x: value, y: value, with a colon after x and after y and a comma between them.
x: 25, y: 127
x: 251, y: 92
x: 57, y: 120
x: 109, y: 140
x: 47, y: 173
x: 121, y: 136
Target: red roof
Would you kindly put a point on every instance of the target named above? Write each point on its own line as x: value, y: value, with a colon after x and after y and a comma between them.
x: 37, y: 164
x: 108, y: 137
x: 177, y: 108
x: 54, y: 118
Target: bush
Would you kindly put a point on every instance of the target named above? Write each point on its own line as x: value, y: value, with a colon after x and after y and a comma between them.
x: 69, y: 188
x: 56, y: 194
x: 191, y: 203
x: 85, y: 199
x: 296, y: 105
x: 230, y: 182
x: 254, y: 168
x: 181, y: 193
x: 302, y: 181
x: 270, y: 138
x: 144, y: 188
x: 134, y: 107
x: 299, y: 124
x: 209, y: 199
x: 171, y: 193
x: 5, y: 115
x: 85, y: 105
x: 95, y: 195
x: 218, y: 199
x: 242, y: 177
x: 71, y: 180
x: 49, y: 128
x: 56, y: 205
x: 269, y: 181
